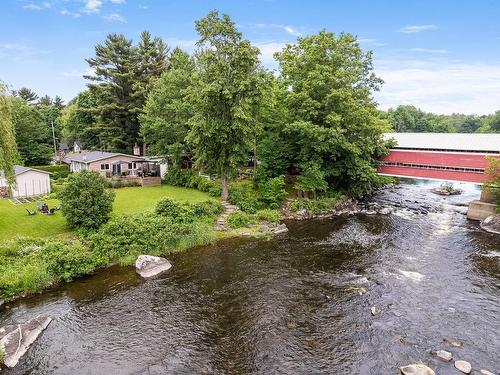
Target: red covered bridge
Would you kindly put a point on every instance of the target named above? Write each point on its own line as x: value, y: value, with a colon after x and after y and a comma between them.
x: 440, y: 156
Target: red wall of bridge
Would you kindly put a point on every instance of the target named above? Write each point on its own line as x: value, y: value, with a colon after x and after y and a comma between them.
x: 437, y: 159
x: 476, y: 178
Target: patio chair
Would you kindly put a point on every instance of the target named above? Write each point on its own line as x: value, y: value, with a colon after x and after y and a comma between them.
x: 51, y: 211
x: 30, y: 212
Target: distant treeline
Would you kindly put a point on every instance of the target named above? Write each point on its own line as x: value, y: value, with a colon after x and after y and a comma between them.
x: 408, y: 119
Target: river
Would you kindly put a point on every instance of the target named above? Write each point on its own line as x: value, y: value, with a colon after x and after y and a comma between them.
x: 290, y: 305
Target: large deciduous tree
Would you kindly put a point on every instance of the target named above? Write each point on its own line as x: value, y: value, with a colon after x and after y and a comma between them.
x: 164, y: 122
x: 8, y: 150
x: 123, y: 74
x: 334, y: 124
x: 33, y: 137
x: 225, y: 94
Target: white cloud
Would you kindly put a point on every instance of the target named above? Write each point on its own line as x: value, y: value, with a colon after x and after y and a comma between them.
x: 37, y: 6
x: 439, y: 85
x: 417, y: 28
x: 267, y: 51
x: 75, y: 73
x: 114, y: 17
x: 187, y: 45
x: 92, y: 6
x: 66, y: 12
x: 292, y: 31
x: 117, y: 1
x: 428, y: 50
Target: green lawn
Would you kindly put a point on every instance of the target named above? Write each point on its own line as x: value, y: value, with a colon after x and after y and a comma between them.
x: 14, y: 220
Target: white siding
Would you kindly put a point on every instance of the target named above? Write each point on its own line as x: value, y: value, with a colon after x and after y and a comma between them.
x: 31, y: 183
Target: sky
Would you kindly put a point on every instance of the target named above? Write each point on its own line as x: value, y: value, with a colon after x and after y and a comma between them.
x: 441, y: 56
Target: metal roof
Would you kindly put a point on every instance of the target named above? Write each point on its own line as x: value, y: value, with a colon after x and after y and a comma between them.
x: 447, y: 141
x: 18, y: 169
x: 91, y: 156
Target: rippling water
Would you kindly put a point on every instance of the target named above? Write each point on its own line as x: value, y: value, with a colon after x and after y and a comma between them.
x: 295, y: 304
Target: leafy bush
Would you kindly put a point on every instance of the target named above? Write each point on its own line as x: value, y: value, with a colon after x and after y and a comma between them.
x: 170, y: 208
x: 273, y: 216
x: 273, y: 192
x: 207, y: 208
x: 116, y: 184
x: 244, y: 196
x: 314, y: 206
x: 239, y: 219
x: 57, y: 171
x: 125, y: 237
x: 178, y: 177
x: 85, y: 201
x: 311, y: 180
x: 66, y: 262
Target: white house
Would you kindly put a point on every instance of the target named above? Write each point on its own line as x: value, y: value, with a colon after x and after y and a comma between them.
x: 29, y: 183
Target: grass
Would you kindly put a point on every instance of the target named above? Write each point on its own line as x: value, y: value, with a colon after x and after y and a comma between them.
x: 14, y: 220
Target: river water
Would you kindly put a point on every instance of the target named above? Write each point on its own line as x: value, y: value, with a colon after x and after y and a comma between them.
x: 290, y: 305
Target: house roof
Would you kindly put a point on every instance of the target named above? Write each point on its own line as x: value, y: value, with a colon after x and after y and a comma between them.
x: 91, y: 156
x: 447, y: 141
x: 19, y: 169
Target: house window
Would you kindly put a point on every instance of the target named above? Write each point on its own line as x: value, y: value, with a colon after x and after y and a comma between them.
x: 104, y: 167
x: 129, y: 165
x: 132, y: 165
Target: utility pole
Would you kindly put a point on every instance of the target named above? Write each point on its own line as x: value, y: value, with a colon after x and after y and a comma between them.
x: 54, y: 139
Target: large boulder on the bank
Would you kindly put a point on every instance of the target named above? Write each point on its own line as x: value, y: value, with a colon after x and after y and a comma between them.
x: 15, y: 340
x: 282, y: 228
x: 149, y: 266
x: 491, y: 224
x: 443, y: 354
x: 416, y: 369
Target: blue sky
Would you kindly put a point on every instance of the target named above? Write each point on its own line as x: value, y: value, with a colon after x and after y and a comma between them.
x: 442, y: 56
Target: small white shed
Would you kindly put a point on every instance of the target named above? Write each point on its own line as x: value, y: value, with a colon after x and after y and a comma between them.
x: 30, y: 182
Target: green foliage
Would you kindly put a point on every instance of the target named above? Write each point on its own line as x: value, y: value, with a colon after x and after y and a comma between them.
x: 116, y: 184
x: 33, y: 137
x: 244, y: 195
x: 239, y: 219
x: 492, y: 181
x: 178, y: 177
x: 272, y: 216
x: 312, y: 179
x: 8, y: 148
x: 207, y: 208
x: 225, y: 94
x: 332, y: 120
x: 314, y: 206
x: 85, y: 201
x: 169, y: 208
x: 127, y: 236
x: 58, y: 171
x: 164, y: 122
x: 272, y: 191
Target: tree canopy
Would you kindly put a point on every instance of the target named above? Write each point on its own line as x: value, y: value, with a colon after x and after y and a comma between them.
x: 8, y: 149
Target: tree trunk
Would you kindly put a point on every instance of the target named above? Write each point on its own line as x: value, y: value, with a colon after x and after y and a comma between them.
x: 225, y: 190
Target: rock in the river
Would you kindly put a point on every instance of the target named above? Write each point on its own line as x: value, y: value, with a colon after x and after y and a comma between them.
x: 374, y: 310
x: 385, y: 211
x: 1, y: 302
x: 443, y: 354
x: 16, y: 339
x: 416, y: 369
x: 280, y: 229
x: 149, y: 266
x: 485, y: 372
x: 463, y: 366
x: 453, y: 343
x: 491, y: 224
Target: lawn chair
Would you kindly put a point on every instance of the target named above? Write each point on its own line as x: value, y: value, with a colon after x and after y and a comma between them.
x: 31, y: 213
x: 51, y: 211
x: 39, y: 206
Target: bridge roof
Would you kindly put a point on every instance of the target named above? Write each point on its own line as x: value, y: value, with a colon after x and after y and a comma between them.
x: 447, y: 141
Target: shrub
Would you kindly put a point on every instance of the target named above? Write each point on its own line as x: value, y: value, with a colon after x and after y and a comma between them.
x: 311, y: 180
x: 273, y: 192
x: 66, y: 262
x: 273, y: 216
x: 215, y: 190
x: 207, y: 208
x: 125, y: 237
x: 314, y: 206
x: 169, y: 208
x: 239, y: 219
x: 85, y: 201
x: 57, y: 171
x: 178, y: 177
x: 244, y: 196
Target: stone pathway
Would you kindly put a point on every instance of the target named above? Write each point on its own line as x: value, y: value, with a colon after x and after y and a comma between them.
x: 221, y: 220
